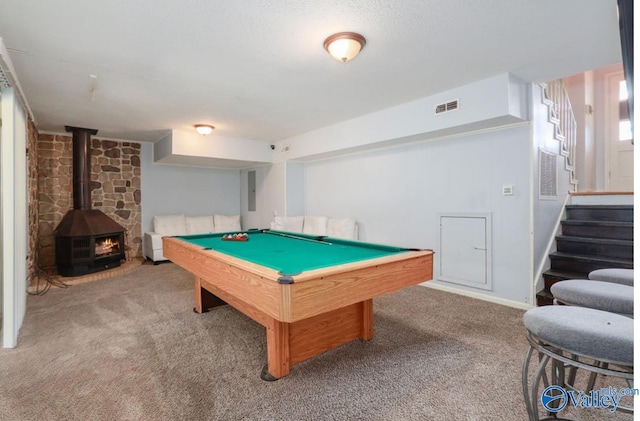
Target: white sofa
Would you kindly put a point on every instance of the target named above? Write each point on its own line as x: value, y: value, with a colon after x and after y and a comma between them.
x: 318, y: 225
x: 170, y: 225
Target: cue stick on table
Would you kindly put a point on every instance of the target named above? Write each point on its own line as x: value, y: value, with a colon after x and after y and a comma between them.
x: 299, y: 238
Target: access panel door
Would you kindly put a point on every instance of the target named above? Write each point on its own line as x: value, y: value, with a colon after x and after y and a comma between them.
x: 465, y: 250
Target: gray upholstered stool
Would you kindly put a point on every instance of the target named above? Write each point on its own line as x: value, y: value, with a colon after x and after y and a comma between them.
x: 594, y: 340
x: 618, y: 276
x: 606, y: 296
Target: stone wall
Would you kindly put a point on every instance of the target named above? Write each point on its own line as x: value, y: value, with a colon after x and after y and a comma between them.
x: 32, y: 196
x: 115, y: 189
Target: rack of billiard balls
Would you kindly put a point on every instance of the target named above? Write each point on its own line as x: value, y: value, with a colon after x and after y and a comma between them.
x: 243, y: 236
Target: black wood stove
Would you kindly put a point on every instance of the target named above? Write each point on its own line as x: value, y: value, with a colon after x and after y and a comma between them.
x: 87, y: 240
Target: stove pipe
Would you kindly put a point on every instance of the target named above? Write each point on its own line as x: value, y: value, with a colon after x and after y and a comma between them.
x: 81, y: 139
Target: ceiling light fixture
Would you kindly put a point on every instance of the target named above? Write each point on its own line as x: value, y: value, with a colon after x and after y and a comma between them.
x: 344, y: 46
x: 204, y: 129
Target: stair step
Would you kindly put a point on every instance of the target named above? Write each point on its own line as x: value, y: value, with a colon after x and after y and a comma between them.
x: 544, y: 298
x: 550, y: 277
x: 616, y: 249
x: 568, y: 262
x: 563, y: 275
x: 581, y: 257
x: 598, y: 229
x: 622, y: 213
x: 549, y: 282
x: 593, y: 240
x: 593, y: 237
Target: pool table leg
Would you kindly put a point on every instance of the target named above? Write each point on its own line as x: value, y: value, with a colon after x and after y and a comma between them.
x: 367, y: 320
x: 204, y: 300
x: 291, y: 343
x: 278, y: 358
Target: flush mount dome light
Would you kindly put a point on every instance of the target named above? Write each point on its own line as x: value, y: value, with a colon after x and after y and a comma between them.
x: 204, y: 129
x: 344, y: 46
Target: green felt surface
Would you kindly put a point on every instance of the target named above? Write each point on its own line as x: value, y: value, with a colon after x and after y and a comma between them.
x: 274, y: 249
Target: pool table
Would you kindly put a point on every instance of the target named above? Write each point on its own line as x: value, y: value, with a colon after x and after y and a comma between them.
x: 311, y: 293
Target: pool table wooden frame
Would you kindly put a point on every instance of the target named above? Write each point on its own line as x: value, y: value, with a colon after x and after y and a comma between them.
x: 322, y: 309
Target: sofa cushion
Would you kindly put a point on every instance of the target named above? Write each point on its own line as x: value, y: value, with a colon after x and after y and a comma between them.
x: 170, y: 225
x: 199, y: 224
x: 289, y: 223
x: 342, y: 228
x: 315, y: 225
x: 226, y: 223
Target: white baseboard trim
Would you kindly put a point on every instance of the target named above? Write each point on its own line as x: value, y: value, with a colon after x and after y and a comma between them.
x: 479, y: 296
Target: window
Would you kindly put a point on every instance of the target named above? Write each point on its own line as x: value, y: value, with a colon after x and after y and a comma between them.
x: 624, y: 124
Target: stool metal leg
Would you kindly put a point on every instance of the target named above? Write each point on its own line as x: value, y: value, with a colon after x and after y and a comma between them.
x: 573, y: 370
x: 531, y: 396
x: 525, y: 382
x: 540, y: 373
x: 570, y: 339
x: 557, y: 373
x: 560, y: 363
x: 592, y: 376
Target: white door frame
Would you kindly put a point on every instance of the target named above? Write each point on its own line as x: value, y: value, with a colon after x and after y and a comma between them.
x: 1, y: 230
x: 13, y: 216
x: 611, y: 120
x: 7, y: 226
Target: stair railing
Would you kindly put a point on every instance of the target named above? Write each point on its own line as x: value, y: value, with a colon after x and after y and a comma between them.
x: 556, y: 98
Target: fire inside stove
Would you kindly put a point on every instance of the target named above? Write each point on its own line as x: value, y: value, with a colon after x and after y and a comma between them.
x: 107, y: 246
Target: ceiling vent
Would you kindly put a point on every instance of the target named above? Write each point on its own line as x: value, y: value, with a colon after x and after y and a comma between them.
x: 447, y: 106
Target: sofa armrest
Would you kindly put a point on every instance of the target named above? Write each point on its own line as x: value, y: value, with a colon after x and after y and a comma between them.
x: 152, y: 246
x: 153, y: 240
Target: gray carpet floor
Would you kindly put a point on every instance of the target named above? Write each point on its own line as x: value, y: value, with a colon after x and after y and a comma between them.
x: 131, y: 348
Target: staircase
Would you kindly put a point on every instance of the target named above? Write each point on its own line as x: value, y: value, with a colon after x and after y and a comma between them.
x: 593, y: 237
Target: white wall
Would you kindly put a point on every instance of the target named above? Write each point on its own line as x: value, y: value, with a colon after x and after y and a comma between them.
x: 295, y: 189
x: 251, y: 219
x: 397, y: 169
x: 546, y: 212
x: 270, y: 195
x: 589, y: 178
x: 396, y: 195
x: 274, y: 192
x: 171, y: 189
x: 13, y: 216
x: 486, y: 104
x: 580, y: 90
x: 181, y: 147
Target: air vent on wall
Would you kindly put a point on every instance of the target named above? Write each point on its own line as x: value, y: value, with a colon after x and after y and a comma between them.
x: 8, y: 78
x: 5, y: 67
x: 4, y: 79
x: 447, y: 106
x: 547, y: 175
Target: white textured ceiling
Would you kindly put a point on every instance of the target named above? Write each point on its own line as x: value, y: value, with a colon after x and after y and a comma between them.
x: 257, y: 69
